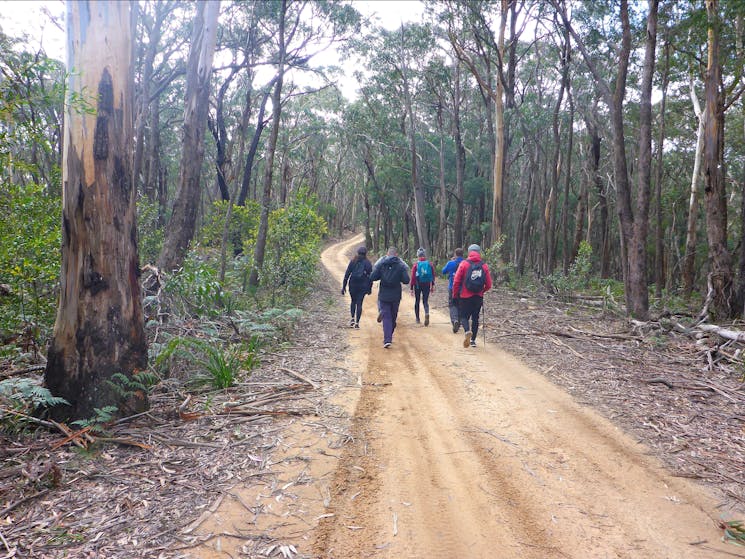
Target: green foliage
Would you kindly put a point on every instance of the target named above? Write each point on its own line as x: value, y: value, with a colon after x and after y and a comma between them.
x: 30, y: 239
x: 221, y: 364
x: 103, y: 416
x: 27, y: 394
x: 195, y: 289
x: 125, y: 387
x: 244, y: 225
x: 149, y: 233
x: 293, y: 246
x: 578, y: 278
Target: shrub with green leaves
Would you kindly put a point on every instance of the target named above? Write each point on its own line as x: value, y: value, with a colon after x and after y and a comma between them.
x: 244, y: 225
x: 27, y: 394
x: 219, y: 363
x: 195, y: 289
x: 293, y: 248
x: 578, y: 278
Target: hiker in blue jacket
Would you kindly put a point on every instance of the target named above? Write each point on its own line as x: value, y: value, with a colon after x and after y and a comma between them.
x: 357, y: 277
x: 391, y: 271
x: 449, y: 270
x: 422, y: 282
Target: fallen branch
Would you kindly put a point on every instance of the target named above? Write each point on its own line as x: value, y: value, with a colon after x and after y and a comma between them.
x: 299, y: 376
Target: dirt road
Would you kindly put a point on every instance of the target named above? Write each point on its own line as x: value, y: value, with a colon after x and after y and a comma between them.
x: 467, y: 453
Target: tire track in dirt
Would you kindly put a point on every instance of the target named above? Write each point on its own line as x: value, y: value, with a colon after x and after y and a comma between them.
x: 467, y: 453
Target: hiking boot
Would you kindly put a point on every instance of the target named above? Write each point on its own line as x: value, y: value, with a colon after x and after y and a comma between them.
x: 351, y: 322
x: 426, y: 320
x: 380, y: 316
x: 473, y: 343
x: 386, y: 345
x: 417, y: 321
x: 357, y: 325
x: 456, y: 327
x: 467, y: 339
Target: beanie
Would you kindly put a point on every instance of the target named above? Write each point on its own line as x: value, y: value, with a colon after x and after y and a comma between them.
x: 362, y: 251
x: 476, y: 248
x: 420, y: 252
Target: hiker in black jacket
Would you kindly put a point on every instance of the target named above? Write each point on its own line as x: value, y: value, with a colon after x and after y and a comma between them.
x: 357, y: 277
x: 392, y: 272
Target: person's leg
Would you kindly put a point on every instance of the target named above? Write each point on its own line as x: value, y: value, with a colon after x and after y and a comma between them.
x: 352, y: 306
x: 467, y: 319
x: 360, y: 299
x: 385, y: 310
x: 417, y: 295
x: 425, y: 302
x: 394, y: 316
x: 453, y: 307
x: 476, y: 311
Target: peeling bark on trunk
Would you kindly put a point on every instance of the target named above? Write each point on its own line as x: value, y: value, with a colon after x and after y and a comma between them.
x: 720, y: 260
x: 182, y: 225
x: 99, y: 330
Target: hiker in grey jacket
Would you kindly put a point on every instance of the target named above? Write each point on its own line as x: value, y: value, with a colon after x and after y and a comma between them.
x: 391, y: 271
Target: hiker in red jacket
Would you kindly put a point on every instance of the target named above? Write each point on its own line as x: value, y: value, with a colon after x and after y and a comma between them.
x: 471, y: 281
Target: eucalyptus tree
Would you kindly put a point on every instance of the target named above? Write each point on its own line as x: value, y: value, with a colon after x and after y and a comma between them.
x: 182, y: 223
x: 634, y: 224
x: 99, y: 331
x: 301, y: 30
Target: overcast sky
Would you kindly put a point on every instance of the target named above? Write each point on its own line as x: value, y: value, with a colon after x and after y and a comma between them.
x: 34, y: 17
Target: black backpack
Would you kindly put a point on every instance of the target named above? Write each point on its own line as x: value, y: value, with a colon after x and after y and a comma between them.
x: 475, y: 279
x: 358, y: 273
x: 390, y: 273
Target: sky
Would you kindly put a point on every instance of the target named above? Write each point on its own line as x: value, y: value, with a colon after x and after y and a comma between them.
x: 33, y: 17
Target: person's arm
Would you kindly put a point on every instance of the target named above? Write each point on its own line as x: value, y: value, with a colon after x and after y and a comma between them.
x: 404, y: 273
x: 446, y: 268
x: 457, y: 281
x: 412, y: 280
x: 375, y: 276
x: 346, y: 277
x: 488, y: 283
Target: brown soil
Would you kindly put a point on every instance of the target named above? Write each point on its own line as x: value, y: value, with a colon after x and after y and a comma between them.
x: 423, y: 450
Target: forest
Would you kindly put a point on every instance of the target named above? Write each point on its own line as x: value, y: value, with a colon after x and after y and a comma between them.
x: 168, y: 188
x: 592, y: 147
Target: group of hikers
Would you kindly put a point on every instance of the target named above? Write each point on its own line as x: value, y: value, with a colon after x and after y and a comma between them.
x: 468, y: 279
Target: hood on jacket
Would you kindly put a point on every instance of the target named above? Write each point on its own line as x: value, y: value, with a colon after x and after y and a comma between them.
x: 474, y: 256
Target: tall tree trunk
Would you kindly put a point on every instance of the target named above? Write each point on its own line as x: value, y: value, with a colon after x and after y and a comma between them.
x: 460, y: 160
x: 639, y: 297
x: 182, y: 225
x: 500, y: 151
x: 260, y: 125
x: 99, y: 330
x: 720, y: 261
x: 416, y: 183
x: 740, y: 29
x: 566, y: 248
x: 659, y: 267
x: 689, y: 259
x: 266, y: 198
x: 156, y: 31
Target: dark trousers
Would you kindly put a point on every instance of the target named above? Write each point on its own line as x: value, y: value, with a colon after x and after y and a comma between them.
x: 421, y: 292
x: 470, y: 308
x: 389, y: 310
x: 355, y: 307
x: 453, y: 307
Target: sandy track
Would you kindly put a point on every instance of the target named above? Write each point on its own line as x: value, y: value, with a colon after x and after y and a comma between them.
x: 467, y: 453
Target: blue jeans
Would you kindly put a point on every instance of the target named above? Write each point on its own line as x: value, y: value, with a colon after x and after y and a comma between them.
x: 389, y: 310
x: 453, y: 306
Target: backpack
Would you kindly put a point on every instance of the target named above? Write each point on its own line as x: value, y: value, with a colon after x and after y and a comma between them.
x: 475, y: 279
x: 358, y: 273
x: 390, y: 273
x: 424, y: 271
